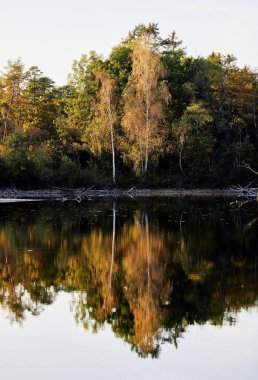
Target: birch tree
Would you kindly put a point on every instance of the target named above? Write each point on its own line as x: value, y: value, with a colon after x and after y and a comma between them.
x: 145, y: 97
x: 103, y: 136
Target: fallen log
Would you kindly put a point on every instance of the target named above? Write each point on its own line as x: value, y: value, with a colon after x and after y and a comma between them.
x: 80, y: 194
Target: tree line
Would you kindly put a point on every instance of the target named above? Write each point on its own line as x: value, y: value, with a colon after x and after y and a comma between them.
x: 146, y: 114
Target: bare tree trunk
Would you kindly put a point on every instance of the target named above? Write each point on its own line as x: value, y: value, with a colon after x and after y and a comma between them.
x: 180, y: 160
x: 254, y: 119
x: 147, y: 143
x: 142, y: 167
x: 113, y: 155
x: 146, y: 157
x: 147, y: 125
x: 78, y: 159
x: 239, y: 154
x: 112, y: 140
x: 5, y: 126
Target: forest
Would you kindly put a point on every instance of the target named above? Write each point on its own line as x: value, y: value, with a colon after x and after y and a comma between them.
x: 148, y: 115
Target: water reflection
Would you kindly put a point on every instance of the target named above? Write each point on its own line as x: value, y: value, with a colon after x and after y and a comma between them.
x: 148, y: 269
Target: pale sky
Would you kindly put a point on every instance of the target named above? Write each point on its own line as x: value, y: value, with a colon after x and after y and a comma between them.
x: 53, y: 33
x: 52, y: 346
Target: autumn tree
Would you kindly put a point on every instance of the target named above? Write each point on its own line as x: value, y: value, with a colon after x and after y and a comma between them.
x: 105, y: 109
x: 11, y: 102
x: 118, y: 112
x: 145, y: 97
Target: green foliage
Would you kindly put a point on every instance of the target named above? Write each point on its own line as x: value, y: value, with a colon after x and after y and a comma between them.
x: 42, y: 167
x: 68, y: 173
x: 84, y: 88
x: 119, y: 64
x: 15, y: 153
x: 40, y: 101
x: 209, y: 123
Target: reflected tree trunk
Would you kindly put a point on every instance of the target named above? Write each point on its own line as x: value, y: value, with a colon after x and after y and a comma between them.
x: 9, y: 271
x: 109, y: 296
x: 148, y: 259
x: 113, y: 245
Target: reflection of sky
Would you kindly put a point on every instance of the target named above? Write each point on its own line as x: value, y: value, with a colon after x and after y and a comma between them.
x: 51, y: 346
x: 52, y: 33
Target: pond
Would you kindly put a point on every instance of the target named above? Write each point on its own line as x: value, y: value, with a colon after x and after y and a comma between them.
x: 132, y: 289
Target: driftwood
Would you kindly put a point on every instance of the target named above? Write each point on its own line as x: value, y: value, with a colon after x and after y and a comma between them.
x: 248, y: 167
x: 79, y: 194
x: 63, y: 194
x: 247, y: 191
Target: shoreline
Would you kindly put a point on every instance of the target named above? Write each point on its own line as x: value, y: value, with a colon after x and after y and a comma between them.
x: 79, y: 194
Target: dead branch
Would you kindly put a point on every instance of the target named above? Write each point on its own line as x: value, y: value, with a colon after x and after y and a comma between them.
x: 247, y: 166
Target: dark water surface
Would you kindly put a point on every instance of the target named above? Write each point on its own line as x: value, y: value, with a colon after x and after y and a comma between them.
x: 148, y: 289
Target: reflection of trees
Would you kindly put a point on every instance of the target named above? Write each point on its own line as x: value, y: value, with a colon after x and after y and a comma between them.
x: 148, y: 279
x: 146, y: 286
x: 21, y: 286
x: 94, y: 272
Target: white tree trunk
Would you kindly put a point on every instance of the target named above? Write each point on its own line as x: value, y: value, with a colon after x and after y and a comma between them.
x: 113, y: 155
x: 112, y: 140
x: 180, y: 161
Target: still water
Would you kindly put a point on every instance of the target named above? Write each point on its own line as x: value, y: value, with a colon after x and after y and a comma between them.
x: 132, y: 289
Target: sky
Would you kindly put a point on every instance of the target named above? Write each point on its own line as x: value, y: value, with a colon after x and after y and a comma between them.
x: 53, y: 346
x: 53, y: 33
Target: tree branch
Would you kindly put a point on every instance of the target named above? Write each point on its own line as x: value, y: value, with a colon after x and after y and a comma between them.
x: 247, y: 166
